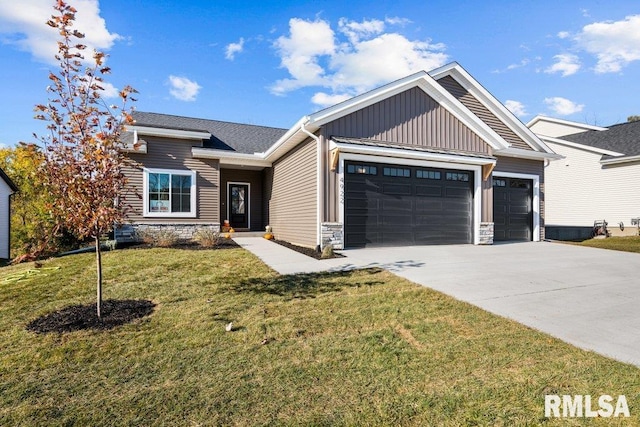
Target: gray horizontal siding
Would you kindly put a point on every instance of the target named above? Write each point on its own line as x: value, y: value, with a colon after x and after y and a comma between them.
x: 167, y: 154
x: 469, y: 101
x: 411, y: 117
x: 292, y: 201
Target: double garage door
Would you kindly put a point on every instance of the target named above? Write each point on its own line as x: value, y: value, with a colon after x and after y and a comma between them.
x: 404, y: 205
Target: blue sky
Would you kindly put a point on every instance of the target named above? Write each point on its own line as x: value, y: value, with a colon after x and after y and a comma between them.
x: 271, y: 62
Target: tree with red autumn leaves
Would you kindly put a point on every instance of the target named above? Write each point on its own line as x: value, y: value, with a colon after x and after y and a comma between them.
x: 84, y: 155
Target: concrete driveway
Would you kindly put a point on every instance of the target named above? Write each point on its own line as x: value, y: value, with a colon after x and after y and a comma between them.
x: 587, y: 297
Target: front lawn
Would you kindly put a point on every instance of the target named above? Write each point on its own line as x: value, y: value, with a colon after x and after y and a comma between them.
x: 626, y: 243
x: 356, y: 348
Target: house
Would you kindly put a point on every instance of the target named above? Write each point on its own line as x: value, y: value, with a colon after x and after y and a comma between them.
x: 7, y: 188
x: 432, y: 158
x: 595, y: 181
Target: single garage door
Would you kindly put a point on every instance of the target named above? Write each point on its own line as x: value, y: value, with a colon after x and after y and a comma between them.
x: 402, y: 205
x: 512, y: 209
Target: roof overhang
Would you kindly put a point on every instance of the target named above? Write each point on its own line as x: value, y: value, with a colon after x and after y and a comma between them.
x: 169, y: 133
x: 12, y: 186
x: 519, y: 153
x: 472, y: 86
x: 617, y: 161
x: 577, y: 125
x: 410, y: 153
x: 581, y: 146
x: 230, y: 158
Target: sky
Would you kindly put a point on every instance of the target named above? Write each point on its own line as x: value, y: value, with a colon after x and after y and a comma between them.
x: 272, y: 62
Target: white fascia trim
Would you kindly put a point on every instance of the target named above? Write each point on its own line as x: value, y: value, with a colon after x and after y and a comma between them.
x: 577, y: 125
x: 536, y: 197
x: 229, y: 157
x: 296, y: 129
x: 485, y: 97
x: 477, y: 181
x: 581, y: 146
x: 527, y: 154
x: 169, y: 133
x: 629, y: 159
x: 145, y: 196
x: 384, y: 154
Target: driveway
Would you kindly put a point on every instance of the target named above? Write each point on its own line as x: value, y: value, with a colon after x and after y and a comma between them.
x: 587, y: 297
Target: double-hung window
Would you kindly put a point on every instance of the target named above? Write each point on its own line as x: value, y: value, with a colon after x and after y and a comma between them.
x: 169, y: 193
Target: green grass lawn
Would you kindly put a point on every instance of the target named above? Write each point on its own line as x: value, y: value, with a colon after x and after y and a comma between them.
x: 357, y: 348
x: 627, y: 243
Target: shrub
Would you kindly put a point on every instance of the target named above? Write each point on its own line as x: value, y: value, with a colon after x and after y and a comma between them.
x: 207, y: 237
x: 163, y: 238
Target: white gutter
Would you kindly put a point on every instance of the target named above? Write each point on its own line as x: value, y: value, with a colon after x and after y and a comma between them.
x: 527, y: 154
x: 229, y: 157
x: 318, y: 184
x: 169, y: 133
x: 622, y: 160
x: 580, y: 146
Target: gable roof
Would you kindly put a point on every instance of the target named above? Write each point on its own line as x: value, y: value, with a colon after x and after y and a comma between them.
x: 514, y: 126
x: 6, y: 179
x: 577, y: 126
x: 622, y: 138
x: 241, y: 138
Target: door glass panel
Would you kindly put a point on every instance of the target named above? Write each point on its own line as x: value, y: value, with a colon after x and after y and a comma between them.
x: 237, y: 200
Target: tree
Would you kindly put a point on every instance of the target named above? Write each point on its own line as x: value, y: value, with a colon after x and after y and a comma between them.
x: 633, y: 119
x: 84, y: 156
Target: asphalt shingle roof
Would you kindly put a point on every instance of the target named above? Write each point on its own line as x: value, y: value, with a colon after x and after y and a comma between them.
x: 238, y: 137
x: 623, y: 138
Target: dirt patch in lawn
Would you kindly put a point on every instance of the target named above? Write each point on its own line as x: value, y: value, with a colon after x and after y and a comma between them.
x: 305, y: 251
x: 83, y: 317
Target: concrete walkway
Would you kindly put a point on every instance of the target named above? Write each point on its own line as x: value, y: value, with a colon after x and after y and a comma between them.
x: 587, y: 297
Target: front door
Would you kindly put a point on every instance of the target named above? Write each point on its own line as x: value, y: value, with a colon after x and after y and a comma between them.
x: 239, y: 205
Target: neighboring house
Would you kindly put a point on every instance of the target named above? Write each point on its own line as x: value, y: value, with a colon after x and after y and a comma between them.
x: 596, y: 181
x: 431, y: 158
x: 7, y: 188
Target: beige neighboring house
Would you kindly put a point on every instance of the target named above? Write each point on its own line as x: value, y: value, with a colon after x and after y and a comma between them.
x: 7, y: 188
x: 597, y: 180
x: 432, y: 158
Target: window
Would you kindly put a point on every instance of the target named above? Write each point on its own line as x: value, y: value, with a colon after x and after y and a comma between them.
x: 519, y: 183
x: 405, y: 173
x: 457, y: 176
x: 169, y: 193
x: 427, y: 174
x: 497, y: 182
x: 362, y: 169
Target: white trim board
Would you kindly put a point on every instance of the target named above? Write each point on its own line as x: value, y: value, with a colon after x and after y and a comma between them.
x: 145, y: 195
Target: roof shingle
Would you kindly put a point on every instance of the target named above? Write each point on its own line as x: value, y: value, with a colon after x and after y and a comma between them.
x: 623, y: 138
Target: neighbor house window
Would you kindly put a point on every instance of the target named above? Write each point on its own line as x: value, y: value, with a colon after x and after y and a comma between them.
x: 169, y: 193
x: 405, y: 173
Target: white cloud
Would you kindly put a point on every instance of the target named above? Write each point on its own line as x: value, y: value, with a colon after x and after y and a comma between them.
x: 233, y: 48
x: 516, y: 107
x: 356, y: 58
x: 524, y: 62
x: 615, y: 44
x: 396, y: 20
x: 23, y: 22
x: 566, y: 63
x: 563, y: 106
x: 563, y: 34
x: 183, y: 89
x: 326, y: 100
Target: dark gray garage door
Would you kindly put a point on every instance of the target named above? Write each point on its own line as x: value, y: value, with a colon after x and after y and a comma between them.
x: 512, y: 208
x: 402, y: 205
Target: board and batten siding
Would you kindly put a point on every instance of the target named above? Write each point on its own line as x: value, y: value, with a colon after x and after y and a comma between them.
x: 412, y: 118
x: 292, y: 202
x: 254, y: 179
x: 5, y: 216
x: 524, y: 166
x: 477, y: 108
x: 164, y: 153
x: 581, y: 190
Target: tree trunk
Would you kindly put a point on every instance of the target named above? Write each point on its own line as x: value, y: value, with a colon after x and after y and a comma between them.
x: 99, y: 270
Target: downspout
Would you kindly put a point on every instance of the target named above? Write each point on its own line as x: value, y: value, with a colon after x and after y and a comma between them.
x: 318, y: 185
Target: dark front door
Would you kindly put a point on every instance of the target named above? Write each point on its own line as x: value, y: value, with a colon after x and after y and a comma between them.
x: 239, y: 205
x: 512, y: 208
x: 406, y: 205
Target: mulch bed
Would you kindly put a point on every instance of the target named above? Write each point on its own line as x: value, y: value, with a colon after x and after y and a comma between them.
x: 306, y: 251
x: 186, y: 245
x: 83, y: 317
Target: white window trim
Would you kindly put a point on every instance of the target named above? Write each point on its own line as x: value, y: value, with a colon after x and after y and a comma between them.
x: 247, y: 201
x: 536, y: 197
x: 477, y: 181
x: 145, y: 196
